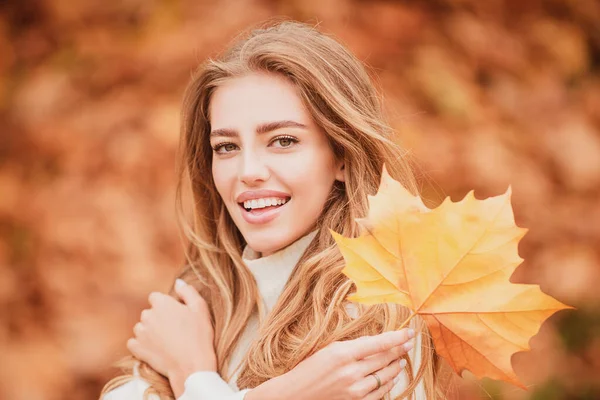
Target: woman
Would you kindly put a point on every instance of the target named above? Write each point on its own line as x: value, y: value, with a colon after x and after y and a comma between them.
x: 283, y: 138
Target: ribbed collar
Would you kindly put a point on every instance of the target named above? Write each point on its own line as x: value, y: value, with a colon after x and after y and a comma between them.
x: 272, y: 272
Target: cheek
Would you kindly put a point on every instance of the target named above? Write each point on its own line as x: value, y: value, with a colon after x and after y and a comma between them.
x: 312, y: 179
x: 221, y: 178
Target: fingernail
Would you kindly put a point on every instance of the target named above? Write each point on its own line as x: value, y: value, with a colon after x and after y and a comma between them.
x: 179, y: 283
x: 402, y: 363
x: 409, y: 345
x: 411, y: 333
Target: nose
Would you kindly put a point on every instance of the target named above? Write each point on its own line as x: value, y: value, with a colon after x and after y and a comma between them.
x: 252, y: 169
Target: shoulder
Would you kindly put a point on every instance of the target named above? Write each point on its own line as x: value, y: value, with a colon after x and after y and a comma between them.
x: 131, y: 390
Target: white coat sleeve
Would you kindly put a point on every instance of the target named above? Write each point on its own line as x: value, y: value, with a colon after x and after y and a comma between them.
x: 198, y: 386
x: 206, y: 385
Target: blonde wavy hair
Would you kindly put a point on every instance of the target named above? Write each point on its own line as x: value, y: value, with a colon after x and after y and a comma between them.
x: 311, y: 312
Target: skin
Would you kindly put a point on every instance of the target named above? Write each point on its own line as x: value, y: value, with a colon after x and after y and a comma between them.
x: 176, y: 337
x: 301, y: 164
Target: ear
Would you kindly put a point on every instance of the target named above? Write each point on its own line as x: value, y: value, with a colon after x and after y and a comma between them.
x: 340, y: 171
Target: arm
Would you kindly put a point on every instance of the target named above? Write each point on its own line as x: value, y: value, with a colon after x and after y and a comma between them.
x: 342, y: 370
x: 204, y: 385
x: 176, y: 340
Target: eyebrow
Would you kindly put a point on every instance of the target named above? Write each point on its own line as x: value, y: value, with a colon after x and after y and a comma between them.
x: 262, y: 128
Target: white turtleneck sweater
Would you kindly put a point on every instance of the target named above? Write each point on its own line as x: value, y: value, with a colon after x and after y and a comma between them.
x: 271, y: 274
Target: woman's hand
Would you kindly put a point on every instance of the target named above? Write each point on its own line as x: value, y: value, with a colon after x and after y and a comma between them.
x: 174, y: 338
x: 343, y: 370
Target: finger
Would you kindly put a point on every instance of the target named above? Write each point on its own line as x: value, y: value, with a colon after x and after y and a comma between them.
x: 138, y: 329
x: 189, y: 295
x: 385, y: 374
x: 154, y: 298
x: 380, y: 360
x: 142, y: 353
x: 379, y: 393
x: 369, y: 345
x: 134, y: 346
x: 145, y: 316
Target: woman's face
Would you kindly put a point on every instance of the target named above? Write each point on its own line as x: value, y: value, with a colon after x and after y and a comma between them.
x: 272, y: 165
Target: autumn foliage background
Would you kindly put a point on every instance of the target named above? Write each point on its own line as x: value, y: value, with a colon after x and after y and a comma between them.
x: 484, y: 93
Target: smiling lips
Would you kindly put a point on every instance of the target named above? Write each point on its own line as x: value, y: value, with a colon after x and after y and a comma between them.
x: 260, y: 194
x: 261, y: 206
x: 263, y: 202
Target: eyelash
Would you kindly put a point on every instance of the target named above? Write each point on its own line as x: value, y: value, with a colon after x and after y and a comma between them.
x: 291, y: 138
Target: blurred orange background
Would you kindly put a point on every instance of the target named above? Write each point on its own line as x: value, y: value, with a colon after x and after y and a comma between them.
x: 484, y: 94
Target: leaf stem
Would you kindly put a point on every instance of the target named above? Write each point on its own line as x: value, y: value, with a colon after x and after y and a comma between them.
x: 405, y: 323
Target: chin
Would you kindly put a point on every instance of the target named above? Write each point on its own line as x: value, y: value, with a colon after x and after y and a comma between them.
x: 265, y: 246
x: 265, y: 242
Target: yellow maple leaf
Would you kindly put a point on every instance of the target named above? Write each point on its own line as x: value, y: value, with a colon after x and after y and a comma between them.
x: 452, y: 266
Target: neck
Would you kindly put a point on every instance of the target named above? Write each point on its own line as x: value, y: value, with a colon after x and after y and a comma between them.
x: 272, y: 272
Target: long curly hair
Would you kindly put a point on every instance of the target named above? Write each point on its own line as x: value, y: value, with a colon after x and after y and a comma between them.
x: 342, y: 99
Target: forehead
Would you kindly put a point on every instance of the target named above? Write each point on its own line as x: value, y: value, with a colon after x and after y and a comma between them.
x: 256, y: 98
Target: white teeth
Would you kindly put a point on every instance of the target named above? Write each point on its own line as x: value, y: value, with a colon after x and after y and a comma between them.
x: 264, y: 202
